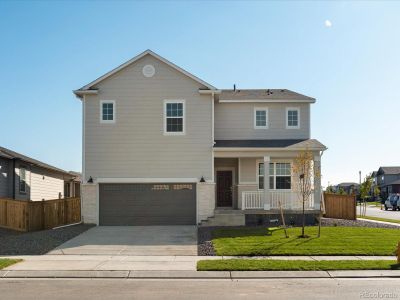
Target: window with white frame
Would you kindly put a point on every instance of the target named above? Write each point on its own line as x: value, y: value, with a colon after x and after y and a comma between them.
x: 174, y: 117
x: 260, y: 118
x: 107, y: 111
x: 279, y: 176
x: 22, y: 180
x: 293, y: 117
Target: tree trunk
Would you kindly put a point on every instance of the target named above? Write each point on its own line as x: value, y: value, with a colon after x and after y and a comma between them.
x: 304, y: 219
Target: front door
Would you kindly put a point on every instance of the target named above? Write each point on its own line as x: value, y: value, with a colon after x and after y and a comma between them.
x: 224, y: 188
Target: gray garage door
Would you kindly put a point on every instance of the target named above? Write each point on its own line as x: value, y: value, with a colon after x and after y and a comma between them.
x: 147, y: 204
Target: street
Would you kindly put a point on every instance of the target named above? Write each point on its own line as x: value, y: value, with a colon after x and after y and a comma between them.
x: 46, y: 289
x: 377, y: 212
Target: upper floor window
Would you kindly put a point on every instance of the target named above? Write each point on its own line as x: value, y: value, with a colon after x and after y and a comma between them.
x: 107, y: 111
x: 174, y: 117
x: 22, y: 180
x: 293, y: 117
x: 260, y: 118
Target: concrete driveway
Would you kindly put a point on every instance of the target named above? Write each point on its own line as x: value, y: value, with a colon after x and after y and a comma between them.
x: 132, y: 240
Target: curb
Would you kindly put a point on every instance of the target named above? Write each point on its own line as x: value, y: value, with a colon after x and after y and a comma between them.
x: 231, y: 275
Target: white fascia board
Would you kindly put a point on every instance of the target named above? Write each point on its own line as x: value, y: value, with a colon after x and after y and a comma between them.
x: 266, y: 101
x: 231, y: 149
x: 147, y: 180
x: 206, y: 92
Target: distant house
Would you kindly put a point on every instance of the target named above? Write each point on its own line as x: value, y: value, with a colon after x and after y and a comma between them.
x: 348, y: 187
x: 388, y: 180
x: 25, y: 178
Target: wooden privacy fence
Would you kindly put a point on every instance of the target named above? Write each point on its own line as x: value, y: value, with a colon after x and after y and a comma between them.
x: 38, y: 215
x: 340, y: 206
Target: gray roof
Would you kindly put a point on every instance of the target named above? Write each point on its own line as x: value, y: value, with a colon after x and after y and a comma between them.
x: 4, y: 152
x: 346, y: 184
x: 261, y: 94
x: 256, y: 143
x: 389, y: 170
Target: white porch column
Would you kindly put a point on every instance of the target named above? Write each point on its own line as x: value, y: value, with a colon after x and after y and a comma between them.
x: 267, y: 199
x: 317, y: 182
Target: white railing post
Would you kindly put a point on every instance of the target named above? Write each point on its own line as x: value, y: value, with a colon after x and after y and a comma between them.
x: 317, y: 182
x: 267, y: 195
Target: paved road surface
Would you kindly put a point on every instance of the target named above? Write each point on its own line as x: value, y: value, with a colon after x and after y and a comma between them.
x: 377, y: 212
x: 54, y: 289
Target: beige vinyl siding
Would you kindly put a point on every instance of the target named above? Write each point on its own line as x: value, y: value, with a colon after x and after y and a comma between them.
x: 46, y: 184
x: 135, y: 145
x: 236, y: 121
x: 248, y: 170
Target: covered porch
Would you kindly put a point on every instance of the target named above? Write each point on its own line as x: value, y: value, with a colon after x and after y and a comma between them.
x: 261, y: 179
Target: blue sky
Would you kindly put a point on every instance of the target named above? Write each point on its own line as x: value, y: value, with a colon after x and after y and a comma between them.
x: 352, y: 68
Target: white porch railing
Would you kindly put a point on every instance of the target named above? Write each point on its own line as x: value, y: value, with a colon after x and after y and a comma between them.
x: 288, y: 199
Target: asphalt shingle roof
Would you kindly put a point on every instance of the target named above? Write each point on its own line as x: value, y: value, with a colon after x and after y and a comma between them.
x: 261, y: 94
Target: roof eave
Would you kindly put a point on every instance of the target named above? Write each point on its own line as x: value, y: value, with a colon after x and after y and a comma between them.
x: 267, y: 100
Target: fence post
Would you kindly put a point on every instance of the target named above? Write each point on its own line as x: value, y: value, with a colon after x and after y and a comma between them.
x: 43, y: 215
x: 65, y: 211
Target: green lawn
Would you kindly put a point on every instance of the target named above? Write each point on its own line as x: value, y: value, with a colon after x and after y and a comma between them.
x: 294, y: 265
x: 379, y: 219
x: 7, y: 262
x: 333, y: 241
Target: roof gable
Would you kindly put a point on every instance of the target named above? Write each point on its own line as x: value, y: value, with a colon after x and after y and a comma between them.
x: 389, y: 170
x: 90, y: 85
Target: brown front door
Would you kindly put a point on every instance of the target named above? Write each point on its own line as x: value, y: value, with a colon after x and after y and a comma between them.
x: 224, y: 188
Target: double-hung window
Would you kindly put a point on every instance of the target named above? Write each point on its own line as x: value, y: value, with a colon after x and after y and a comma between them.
x: 293, y: 118
x: 174, y: 117
x: 279, y: 176
x: 22, y: 180
x: 260, y: 118
x: 107, y: 111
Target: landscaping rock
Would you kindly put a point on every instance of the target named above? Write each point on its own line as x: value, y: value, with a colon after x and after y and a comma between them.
x: 356, y: 223
x: 37, y: 242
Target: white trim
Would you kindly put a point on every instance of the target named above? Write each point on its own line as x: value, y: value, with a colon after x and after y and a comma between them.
x: 267, y: 101
x: 212, y: 136
x: 257, y: 149
x: 83, y: 179
x: 147, y: 180
x: 136, y: 58
x: 256, y: 109
x: 232, y: 169
x: 239, y: 170
x: 298, y: 116
x: 80, y: 94
x: 114, y: 120
x: 167, y: 101
x: 206, y: 92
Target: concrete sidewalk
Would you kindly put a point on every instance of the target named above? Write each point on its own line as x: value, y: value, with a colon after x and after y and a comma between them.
x: 100, y: 263
x: 379, y: 222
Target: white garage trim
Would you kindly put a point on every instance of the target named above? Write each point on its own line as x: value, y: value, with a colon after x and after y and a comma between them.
x: 146, y: 180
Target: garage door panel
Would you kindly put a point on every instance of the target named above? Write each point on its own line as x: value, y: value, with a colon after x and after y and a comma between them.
x: 147, y: 204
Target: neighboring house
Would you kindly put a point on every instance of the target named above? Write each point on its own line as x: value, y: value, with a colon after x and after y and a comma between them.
x: 161, y: 146
x: 349, y: 187
x: 388, y: 180
x: 24, y: 178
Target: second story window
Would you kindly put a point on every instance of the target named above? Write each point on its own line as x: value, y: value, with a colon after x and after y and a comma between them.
x: 107, y: 111
x: 174, y: 117
x: 293, y: 118
x: 260, y: 118
x: 22, y: 180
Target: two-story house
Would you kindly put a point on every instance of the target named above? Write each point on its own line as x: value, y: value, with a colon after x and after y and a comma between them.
x: 388, y: 180
x: 161, y: 146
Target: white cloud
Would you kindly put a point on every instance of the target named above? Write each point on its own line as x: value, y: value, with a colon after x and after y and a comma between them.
x: 328, y: 23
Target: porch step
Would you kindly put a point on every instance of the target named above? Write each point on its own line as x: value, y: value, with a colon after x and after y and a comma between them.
x: 225, y: 218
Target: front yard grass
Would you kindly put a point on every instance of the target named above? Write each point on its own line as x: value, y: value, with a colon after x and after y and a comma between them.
x: 294, y: 265
x: 4, y: 262
x: 333, y: 241
x: 379, y: 219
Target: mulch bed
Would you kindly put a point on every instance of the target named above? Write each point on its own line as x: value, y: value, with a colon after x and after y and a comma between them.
x: 204, y: 238
x: 37, y: 242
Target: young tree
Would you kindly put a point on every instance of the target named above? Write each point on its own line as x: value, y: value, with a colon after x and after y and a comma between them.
x: 329, y: 189
x: 304, y: 172
x: 341, y: 191
x: 365, y: 189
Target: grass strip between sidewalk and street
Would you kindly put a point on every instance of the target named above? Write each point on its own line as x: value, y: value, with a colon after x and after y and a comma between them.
x: 261, y: 241
x: 294, y: 265
x: 5, y: 262
x: 379, y: 219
